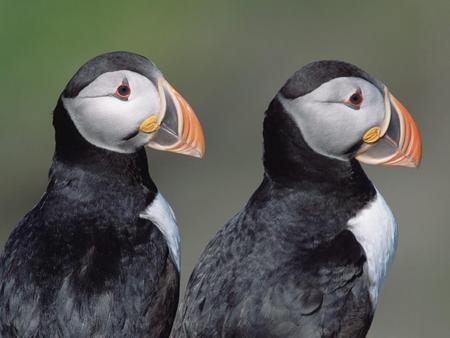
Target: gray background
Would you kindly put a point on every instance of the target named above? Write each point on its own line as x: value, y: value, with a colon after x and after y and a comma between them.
x: 229, y: 58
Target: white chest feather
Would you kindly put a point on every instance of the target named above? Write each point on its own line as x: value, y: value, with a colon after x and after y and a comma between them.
x: 376, y: 230
x: 161, y: 214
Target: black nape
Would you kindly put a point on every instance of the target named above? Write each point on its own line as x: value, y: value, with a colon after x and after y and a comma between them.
x: 73, y: 151
x: 287, y: 156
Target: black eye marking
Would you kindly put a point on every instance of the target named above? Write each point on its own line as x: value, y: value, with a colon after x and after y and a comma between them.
x: 355, y: 100
x: 123, y: 92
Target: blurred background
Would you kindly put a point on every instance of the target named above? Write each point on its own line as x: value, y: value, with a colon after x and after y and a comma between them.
x: 229, y: 58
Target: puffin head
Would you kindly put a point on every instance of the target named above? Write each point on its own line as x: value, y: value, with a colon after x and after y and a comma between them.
x: 343, y: 113
x: 121, y: 102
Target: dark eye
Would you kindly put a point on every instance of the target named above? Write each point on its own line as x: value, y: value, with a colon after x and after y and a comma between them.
x: 123, y: 91
x: 355, y: 100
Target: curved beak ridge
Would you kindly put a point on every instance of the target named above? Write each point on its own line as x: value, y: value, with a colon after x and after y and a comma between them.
x: 400, y: 144
x: 176, y: 128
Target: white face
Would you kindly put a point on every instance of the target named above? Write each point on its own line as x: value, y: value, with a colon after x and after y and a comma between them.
x: 108, y: 115
x: 334, y: 117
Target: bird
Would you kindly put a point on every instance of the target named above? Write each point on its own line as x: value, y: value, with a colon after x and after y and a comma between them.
x: 308, y: 254
x: 98, y: 256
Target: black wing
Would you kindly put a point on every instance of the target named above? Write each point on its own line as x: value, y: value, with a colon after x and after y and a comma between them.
x: 235, y: 292
x: 86, y: 283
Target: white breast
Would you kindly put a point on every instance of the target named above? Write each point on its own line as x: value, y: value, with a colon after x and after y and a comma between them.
x: 161, y: 214
x: 376, y: 230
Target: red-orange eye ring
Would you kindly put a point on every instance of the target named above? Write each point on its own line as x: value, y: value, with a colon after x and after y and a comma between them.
x: 123, y: 92
x: 355, y: 100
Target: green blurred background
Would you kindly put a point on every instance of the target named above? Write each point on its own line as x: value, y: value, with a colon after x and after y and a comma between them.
x: 229, y: 58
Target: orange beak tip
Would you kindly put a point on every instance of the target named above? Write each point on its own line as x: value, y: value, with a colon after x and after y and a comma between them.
x: 186, y: 137
x: 402, y: 148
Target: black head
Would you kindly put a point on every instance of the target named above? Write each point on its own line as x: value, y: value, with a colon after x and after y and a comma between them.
x: 120, y: 102
x: 111, y: 62
x: 327, y: 114
x: 315, y: 74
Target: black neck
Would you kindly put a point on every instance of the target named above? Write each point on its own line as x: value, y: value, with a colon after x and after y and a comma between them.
x: 288, y: 158
x: 313, y: 195
x: 73, y: 154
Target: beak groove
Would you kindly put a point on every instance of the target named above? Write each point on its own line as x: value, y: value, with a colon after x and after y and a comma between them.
x: 409, y: 152
x: 191, y: 130
x: 400, y: 142
x: 178, y: 129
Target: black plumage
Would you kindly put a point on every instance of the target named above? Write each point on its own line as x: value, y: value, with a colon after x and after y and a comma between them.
x: 286, y: 265
x: 83, y: 263
x: 314, y: 74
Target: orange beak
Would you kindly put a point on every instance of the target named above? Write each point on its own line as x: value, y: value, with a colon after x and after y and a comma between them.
x: 175, y: 128
x: 399, y: 143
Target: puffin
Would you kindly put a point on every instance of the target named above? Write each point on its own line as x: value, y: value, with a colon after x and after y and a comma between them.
x: 99, y: 255
x: 309, y: 252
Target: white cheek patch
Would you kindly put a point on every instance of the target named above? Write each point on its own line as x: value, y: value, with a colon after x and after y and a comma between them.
x: 329, y: 126
x: 109, y: 122
x: 376, y: 231
x: 161, y: 214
